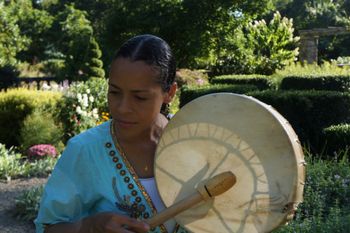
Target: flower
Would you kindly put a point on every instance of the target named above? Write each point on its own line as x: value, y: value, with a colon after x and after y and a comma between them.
x: 41, y: 150
x: 85, y: 101
x: 91, y: 98
x: 78, y: 110
x: 79, y: 97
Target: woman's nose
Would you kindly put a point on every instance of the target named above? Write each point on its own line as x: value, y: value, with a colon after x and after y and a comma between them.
x: 125, y: 105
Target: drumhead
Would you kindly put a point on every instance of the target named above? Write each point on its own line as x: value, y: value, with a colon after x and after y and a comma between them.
x: 230, y: 132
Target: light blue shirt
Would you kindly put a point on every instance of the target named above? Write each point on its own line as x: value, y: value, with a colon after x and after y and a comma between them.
x: 91, y: 177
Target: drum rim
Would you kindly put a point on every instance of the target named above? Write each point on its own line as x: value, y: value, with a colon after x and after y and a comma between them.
x: 297, y: 194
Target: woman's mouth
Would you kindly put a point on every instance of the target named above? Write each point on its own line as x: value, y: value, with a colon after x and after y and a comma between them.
x: 125, y: 124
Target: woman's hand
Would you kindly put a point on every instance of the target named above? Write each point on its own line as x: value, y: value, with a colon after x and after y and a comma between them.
x: 105, y: 222
x: 112, y: 223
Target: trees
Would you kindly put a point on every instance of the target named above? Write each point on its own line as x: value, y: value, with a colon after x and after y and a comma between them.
x: 74, y: 50
x: 321, y: 14
x: 259, y: 48
x: 194, y: 29
x: 11, y: 39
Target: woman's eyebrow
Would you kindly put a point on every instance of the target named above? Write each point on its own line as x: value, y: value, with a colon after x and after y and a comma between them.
x: 113, y: 85
x: 134, y: 91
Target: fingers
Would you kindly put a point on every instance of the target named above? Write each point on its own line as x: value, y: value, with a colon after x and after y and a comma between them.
x: 123, y: 224
x: 138, y: 226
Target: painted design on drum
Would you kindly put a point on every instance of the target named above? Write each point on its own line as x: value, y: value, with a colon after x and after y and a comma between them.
x: 228, y: 151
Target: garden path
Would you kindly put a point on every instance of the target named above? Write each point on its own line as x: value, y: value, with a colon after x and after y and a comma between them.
x: 8, y: 193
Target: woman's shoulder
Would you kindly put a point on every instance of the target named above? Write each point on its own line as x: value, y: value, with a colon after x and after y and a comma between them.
x: 93, y: 136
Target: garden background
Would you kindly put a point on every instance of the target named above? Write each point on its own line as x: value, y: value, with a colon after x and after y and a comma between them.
x: 54, y: 61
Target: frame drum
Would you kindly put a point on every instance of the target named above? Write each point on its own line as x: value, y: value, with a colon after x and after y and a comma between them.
x: 229, y: 132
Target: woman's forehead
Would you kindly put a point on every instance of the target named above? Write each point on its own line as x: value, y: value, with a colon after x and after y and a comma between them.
x: 138, y: 74
x: 122, y: 66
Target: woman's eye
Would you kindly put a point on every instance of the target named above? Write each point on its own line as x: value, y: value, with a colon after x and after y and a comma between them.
x: 114, y: 92
x: 141, y: 98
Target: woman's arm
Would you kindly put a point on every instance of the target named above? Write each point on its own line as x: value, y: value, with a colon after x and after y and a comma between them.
x: 101, y: 223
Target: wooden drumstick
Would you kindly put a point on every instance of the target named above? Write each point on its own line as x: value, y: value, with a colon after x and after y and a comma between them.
x: 213, y: 187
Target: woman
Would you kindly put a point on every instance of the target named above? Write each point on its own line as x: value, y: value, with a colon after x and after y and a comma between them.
x: 104, y: 181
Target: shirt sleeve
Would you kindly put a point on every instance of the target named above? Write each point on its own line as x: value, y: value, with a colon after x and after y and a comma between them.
x: 67, y: 195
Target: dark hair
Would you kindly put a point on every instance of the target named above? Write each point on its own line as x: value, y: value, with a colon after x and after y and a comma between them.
x: 153, y: 51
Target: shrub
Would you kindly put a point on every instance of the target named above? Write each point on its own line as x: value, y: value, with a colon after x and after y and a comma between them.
x: 326, y: 205
x: 325, y: 69
x: 309, y: 111
x: 27, y: 204
x: 258, y: 48
x: 189, y: 93
x: 316, y: 82
x: 191, y: 78
x: 40, y: 128
x: 10, y: 165
x: 82, y: 106
x: 41, y: 150
x: 37, y: 168
x: 94, y: 68
x: 262, y: 82
x: 16, y: 105
x: 337, y: 138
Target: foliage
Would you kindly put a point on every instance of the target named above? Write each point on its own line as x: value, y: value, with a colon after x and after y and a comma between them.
x: 325, y: 68
x: 258, y: 48
x: 75, y: 41
x: 82, y: 106
x: 326, y: 206
x: 11, y: 39
x: 337, y: 138
x: 35, y: 24
x: 260, y: 81
x: 194, y: 29
x: 94, y: 67
x: 308, y: 14
x: 41, y: 150
x: 190, y: 93
x: 9, y: 162
x: 341, y: 61
x: 190, y: 77
x: 16, y: 105
x: 40, y: 128
x: 316, y: 82
x: 27, y: 204
x: 317, y: 13
x: 309, y: 112
x: 13, y: 165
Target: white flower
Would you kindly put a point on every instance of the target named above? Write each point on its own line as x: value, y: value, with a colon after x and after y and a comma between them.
x: 79, y: 97
x: 91, y: 98
x: 78, y: 110
x: 46, y: 87
x: 83, y: 113
x: 95, y: 113
x: 88, y: 91
x: 85, y: 100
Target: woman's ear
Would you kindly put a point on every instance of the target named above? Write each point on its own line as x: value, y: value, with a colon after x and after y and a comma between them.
x: 171, y: 93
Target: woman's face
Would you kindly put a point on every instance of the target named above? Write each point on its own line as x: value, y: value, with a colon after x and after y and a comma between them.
x: 134, y: 96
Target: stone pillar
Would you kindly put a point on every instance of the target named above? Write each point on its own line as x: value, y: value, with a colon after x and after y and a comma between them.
x: 308, y: 49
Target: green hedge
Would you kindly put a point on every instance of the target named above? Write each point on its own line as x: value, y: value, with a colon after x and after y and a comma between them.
x: 16, y: 105
x: 337, y: 138
x: 309, y: 112
x: 261, y: 81
x: 190, y: 93
x: 316, y: 82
